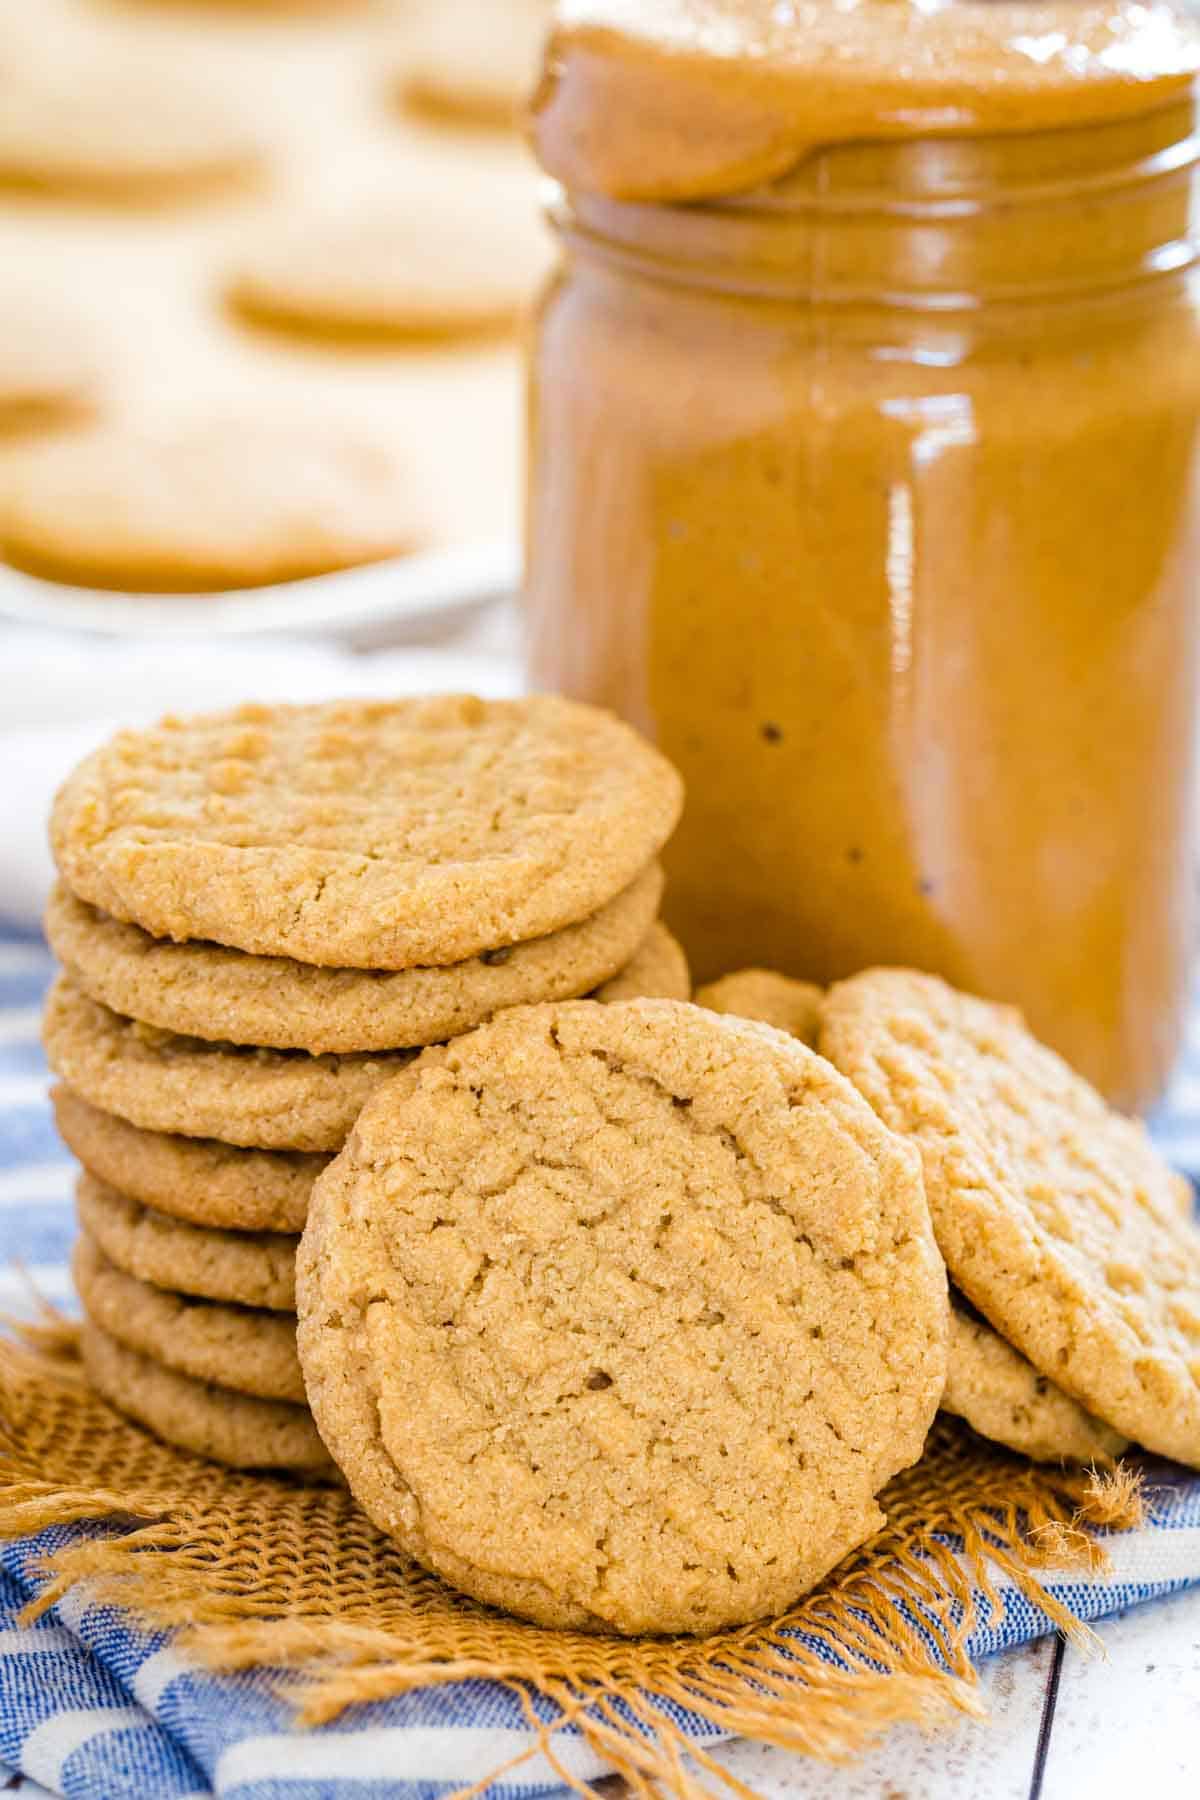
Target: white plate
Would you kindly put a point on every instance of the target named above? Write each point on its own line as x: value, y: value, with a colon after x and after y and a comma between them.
x: 384, y: 603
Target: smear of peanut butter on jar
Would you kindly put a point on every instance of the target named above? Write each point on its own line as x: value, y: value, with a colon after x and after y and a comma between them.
x: 684, y: 99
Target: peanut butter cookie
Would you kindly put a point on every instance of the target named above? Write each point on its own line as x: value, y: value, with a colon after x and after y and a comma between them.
x: 994, y: 1389
x: 619, y: 1317
x: 243, y: 1268
x: 791, y: 1006
x: 50, y: 369
x: 1057, y: 1217
x: 114, y: 128
x: 239, y: 1348
x: 443, y: 264
x: 476, y: 62
x: 203, y: 990
x: 658, y: 970
x: 198, y: 1416
x: 259, y: 1099
x: 212, y: 506
x: 1002, y: 1397
x: 198, y: 1180
x: 364, y: 835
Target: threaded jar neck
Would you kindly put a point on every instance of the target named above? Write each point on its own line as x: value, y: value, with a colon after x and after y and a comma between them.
x: 932, y: 223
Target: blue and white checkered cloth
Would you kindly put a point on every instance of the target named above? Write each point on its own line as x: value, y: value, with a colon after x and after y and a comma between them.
x: 95, y: 1711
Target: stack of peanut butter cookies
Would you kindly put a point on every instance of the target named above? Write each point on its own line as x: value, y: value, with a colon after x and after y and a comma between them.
x: 406, y: 1157
x: 263, y: 915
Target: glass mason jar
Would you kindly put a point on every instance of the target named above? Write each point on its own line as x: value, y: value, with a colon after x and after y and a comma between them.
x: 873, y: 497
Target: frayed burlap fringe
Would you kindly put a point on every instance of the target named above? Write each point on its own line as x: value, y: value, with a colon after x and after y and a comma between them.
x: 264, y: 1573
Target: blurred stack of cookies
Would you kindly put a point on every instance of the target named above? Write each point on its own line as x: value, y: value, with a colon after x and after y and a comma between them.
x: 262, y: 916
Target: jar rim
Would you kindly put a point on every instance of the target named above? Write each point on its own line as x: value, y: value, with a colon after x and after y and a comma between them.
x: 1170, y: 159
x: 941, y: 223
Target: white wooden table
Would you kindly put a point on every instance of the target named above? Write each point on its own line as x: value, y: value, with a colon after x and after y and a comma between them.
x: 1063, y: 1727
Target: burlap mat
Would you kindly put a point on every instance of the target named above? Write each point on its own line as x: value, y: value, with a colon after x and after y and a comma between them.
x: 256, y: 1572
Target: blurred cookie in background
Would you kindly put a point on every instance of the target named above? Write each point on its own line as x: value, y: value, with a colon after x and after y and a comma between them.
x: 771, y: 998
x: 211, y: 506
x: 658, y: 970
x: 474, y: 62
x: 80, y: 120
x: 51, y: 365
x: 450, y: 259
x: 268, y: 9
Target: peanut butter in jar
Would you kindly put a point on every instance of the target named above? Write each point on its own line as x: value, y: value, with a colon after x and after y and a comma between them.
x: 865, y: 478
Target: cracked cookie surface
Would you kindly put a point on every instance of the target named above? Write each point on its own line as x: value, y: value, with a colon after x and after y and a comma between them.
x: 198, y: 1180
x: 200, y: 1416
x: 240, y: 1348
x: 620, y: 1317
x: 242, y: 1268
x: 1056, y: 1216
x: 207, y: 991
x: 259, y: 1099
x: 366, y: 835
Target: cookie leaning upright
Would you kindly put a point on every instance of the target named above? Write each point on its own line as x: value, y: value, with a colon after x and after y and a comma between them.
x: 366, y: 835
x: 621, y: 1317
x: 1056, y: 1216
